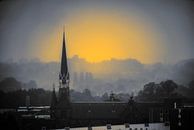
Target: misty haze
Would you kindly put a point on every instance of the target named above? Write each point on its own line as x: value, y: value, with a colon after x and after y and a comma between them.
x: 97, y: 65
x: 116, y: 75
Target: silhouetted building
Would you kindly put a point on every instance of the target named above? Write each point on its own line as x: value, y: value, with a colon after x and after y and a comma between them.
x: 74, y: 114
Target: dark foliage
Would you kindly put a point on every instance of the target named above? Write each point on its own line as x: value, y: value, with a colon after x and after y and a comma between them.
x: 10, y: 84
x: 18, y: 98
x: 165, y: 89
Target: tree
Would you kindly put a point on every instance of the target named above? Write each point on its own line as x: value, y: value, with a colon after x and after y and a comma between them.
x: 149, y: 88
x: 191, y: 84
x: 168, y: 86
x: 156, y: 92
x: 10, y: 84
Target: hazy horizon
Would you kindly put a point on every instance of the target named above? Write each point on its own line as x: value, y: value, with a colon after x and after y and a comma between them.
x: 113, y: 75
x: 36, y: 59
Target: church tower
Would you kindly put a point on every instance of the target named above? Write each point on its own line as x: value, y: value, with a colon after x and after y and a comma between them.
x: 64, y: 76
x: 61, y: 106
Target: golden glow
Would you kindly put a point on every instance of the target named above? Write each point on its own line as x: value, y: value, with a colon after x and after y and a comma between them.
x: 50, y: 50
x: 101, y: 37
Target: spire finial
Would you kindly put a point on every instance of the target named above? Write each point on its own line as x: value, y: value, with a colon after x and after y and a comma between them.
x: 64, y: 33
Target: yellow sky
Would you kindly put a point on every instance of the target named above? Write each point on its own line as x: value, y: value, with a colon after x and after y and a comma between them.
x: 102, y: 37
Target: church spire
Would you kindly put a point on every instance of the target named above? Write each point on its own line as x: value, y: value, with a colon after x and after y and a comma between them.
x: 64, y: 74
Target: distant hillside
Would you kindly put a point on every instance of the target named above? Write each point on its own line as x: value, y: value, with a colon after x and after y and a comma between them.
x: 112, y: 75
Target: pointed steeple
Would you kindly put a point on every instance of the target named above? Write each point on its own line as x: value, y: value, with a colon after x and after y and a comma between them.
x: 64, y: 74
x: 64, y: 97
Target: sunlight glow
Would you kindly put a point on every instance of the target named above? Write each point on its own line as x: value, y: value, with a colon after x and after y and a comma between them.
x: 102, y: 37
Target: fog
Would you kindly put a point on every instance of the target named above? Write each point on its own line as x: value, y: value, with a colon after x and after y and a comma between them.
x: 113, y: 75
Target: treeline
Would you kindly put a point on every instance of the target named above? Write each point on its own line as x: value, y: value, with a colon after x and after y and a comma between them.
x: 41, y: 97
x: 165, y: 89
x: 11, y: 84
x: 16, y: 96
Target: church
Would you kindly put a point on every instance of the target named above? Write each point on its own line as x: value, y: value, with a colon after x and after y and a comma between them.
x: 85, y: 114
